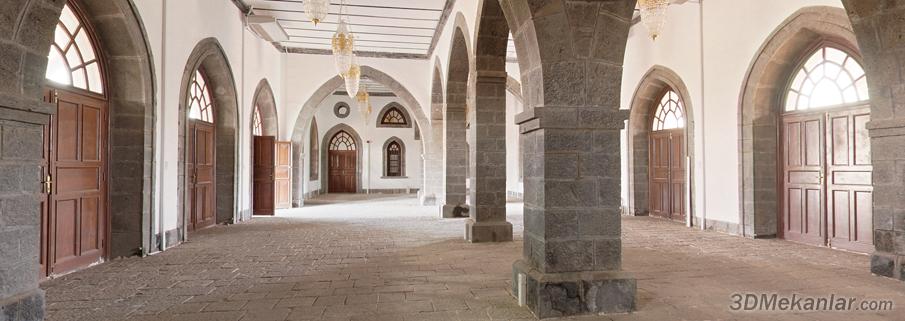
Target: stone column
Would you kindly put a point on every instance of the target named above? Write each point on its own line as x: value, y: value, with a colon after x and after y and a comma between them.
x: 454, y: 163
x: 878, y: 26
x: 433, y: 164
x: 572, y: 259
x: 487, y: 222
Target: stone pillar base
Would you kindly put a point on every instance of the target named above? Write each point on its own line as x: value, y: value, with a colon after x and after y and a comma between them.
x: 888, y: 265
x: 24, y: 307
x: 453, y: 211
x: 427, y: 200
x: 550, y: 295
x: 482, y: 232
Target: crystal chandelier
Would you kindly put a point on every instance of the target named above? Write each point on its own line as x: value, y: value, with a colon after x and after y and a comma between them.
x: 653, y: 14
x: 317, y: 10
x: 353, y: 79
x: 364, y: 102
x: 343, y: 44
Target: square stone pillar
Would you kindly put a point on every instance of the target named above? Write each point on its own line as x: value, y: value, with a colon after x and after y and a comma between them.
x: 573, y: 249
x: 433, y: 164
x: 888, y: 161
x: 487, y: 221
x: 455, y: 164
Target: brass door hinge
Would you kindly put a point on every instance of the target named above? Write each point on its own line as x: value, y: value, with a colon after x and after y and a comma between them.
x: 48, y: 184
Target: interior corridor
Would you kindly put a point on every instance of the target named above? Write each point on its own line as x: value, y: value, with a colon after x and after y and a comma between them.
x: 362, y: 257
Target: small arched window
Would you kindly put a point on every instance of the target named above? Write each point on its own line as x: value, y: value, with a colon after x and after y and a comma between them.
x: 200, y: 103
x: 393, y: 115
x: 73, y: 60
x: 829, y: 77
x: 670, y: 112
x: 257, y: 128
x: 314, y: 150
x: 394, y: 162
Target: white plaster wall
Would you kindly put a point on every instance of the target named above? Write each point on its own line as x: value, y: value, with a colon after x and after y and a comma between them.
x: 372, y: 153
x: 174, y: 28
x: 304, y: 74
x: 514, y: 181
x: 733, y: 32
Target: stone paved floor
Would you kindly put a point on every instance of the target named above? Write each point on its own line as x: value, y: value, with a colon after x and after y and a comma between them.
x: 388, y: 259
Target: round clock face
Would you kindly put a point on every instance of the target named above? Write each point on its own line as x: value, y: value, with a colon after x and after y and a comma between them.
x: 341, y: 110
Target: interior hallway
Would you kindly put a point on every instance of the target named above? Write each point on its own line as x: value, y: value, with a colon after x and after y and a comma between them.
x: 386, y: 258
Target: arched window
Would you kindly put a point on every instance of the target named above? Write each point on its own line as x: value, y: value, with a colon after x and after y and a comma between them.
x: 72, y: 60
x: 342, y: 141
x: 829, y: 77
x: 257, y: 128
x: 670, y: 113
x: 314, y: 150
x: 394, y: 158
x: 393, y: 115
x: 200, y: 103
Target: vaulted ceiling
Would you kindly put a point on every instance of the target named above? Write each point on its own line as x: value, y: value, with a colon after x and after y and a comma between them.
x: 394, y: 28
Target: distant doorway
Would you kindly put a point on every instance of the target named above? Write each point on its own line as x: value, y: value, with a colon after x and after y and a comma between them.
x: 342, y: 163
x: 667, y: 159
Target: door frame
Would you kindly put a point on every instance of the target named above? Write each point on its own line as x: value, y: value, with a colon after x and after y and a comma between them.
x: 781, y: 166
x: 325, y: 150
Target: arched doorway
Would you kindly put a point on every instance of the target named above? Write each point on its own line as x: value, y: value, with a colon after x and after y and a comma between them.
x: 270, y: 182
x: 75, y: 215
x: 200, y: 162
x: 208, y: 116
x: 825, y: 165
x: 668, y: 158
x: 342, y: 163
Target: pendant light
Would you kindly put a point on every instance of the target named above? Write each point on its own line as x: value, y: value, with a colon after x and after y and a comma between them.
x: 653, y: 15
x: 343, y: 44
x: 317, y: 10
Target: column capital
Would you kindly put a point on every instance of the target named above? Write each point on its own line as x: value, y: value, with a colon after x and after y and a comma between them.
x: 571, y: 118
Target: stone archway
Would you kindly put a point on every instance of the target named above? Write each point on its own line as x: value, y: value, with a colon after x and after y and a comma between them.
x: 209, y: 56
x: 265, y: 100
x: 455, y: 162
x: 303, y: 121
x: 123, y: 44
x: 759, y: 110
x: 655, y: 82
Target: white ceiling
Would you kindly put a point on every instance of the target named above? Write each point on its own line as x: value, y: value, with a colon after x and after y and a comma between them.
x: 380, y: 26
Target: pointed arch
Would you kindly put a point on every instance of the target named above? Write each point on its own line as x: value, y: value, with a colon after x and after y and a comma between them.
x: 393, y: 115
x: 760, y: 105
x: 208, y: 55
x: 657, y: 82
x: 325, y: 149
x: 302, y: 122
x: 265, y: 103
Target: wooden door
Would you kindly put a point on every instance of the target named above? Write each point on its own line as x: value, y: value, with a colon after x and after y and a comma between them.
x: 283, y: 177
x: 667, y: 174
x: 803, y: 174
x: 201, y: 175
x: 342, y: 171
x: 75, y: 214
x: 263, y: 176
x: 849, y: 185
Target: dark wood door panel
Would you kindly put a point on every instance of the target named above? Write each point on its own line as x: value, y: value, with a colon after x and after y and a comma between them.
x: 667, y: 174
x: 827, y: 178
x: 201, y: 175
x: 342, y: 175
x: 263, y: 176
x: 75, y: 225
